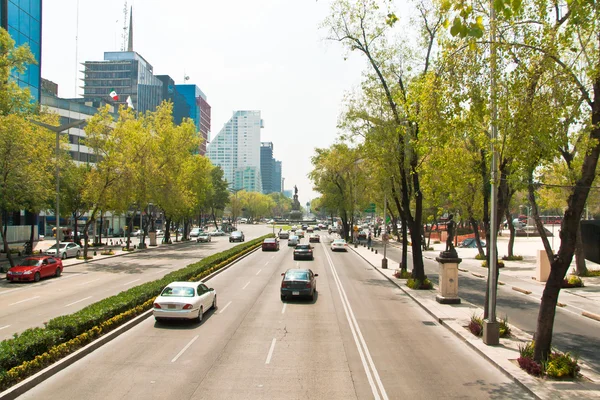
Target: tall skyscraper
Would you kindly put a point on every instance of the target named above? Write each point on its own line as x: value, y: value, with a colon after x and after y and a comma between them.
x: 270, y: 169
x: 199, y: 110
x: 23, y: 21
x: 277, y: 177
x: 236, y: 149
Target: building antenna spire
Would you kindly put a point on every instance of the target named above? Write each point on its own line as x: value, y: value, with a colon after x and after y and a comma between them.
x: 124, y: 34
x: 130, y: 43
x: 76, y: 49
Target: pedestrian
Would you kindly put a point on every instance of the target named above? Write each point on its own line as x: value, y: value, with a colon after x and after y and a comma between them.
x: 379, y: 231
x: 369, y: 241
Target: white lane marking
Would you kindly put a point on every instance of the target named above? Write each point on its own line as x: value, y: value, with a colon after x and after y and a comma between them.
x: 283, y: 309
x: 159, y: 271
x: 224, y: 308
x: 246, y: 285
x: 258, y: 271
x: 267, y: 263
x: 272, y: 257
x: 268, y: 361
x: 88, y: 282
x: 10, y: 291
x: 129, y: 283
x: 359, y: 340
x: 6, y: 326
x: 185, y: 348
x: 63, y: 277
x: 23, y: 301
x: 78, y: 301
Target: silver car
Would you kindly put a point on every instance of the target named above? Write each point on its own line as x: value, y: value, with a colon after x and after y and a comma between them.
x: 67, y: 249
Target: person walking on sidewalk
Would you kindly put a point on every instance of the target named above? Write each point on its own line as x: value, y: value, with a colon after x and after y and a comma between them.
x: 369, y: 241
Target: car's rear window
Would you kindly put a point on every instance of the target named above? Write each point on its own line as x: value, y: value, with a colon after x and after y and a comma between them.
x: 342, y: 241
x: 303, y: 246
x: 178, y: 291
x: 296, y: 276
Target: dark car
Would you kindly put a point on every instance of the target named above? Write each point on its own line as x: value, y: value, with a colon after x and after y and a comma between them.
x: 270, y: 244
x: 362, y: 235
x: 35, y: 268
x: 303, y: 251
x: 298, y: 282
x: 237, y: 236
x: 471, y: 243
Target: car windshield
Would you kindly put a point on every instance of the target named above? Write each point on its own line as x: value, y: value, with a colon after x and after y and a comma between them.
x: 269, y: 241
x: 31, y: 262
x: 296, y: 276
x: 340, y: 241
x: 303, y: 246
x: 178, y: 291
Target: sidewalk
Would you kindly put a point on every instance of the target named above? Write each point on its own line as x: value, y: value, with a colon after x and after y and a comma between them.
x: 456, y: 318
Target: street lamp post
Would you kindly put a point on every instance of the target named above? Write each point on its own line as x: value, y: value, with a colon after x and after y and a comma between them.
x: 384, y: 261
x: 58, y: 130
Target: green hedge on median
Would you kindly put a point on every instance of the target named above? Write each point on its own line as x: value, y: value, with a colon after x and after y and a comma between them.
x: 36, y: 341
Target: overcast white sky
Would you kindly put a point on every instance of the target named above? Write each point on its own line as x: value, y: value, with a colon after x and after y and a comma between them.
x: 266, y: 55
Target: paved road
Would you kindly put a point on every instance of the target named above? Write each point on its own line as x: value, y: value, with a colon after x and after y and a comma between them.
x: 572, y: 332
x: 361, y: 338
x: 27, y: 305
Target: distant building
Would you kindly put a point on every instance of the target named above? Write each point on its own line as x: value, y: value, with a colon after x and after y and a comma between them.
x: 199, y: 110
x: 236, y: 149
x: 288, y: 193
x: 270, y: 169
x: 128, y: 74
x: 23, y: 21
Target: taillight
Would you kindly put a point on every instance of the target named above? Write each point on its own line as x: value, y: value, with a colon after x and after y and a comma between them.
x: 308, y: 284
x: 283, y: 284
x: 187, y: 307
x: 156, y: 305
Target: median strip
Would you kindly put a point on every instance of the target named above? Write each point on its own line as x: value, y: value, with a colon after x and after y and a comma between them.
x: 591, y: 315
x: 518, y: 289
x: 478, y: 275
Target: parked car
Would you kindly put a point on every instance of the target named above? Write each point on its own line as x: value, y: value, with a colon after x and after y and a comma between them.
x: 293, y: 240
x: 362, y: 235
x: 184, y: 300
x: 195, y: 232
x: 35, y: 268
x: 218, y: 232
x: 203, y: 237
x: 339, y: 245
x: 314, y: 238
x: 160, y: 232
x: 303, y: 251
x: 284, y: 235
x: 471, y: 243
x: 237, y: 236
x: 298, y: 282
x: 67, y: 249
x: 270, y: 244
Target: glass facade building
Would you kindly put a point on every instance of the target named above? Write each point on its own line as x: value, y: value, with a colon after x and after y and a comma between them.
x: 129, y: 74
x: 23, y: 21
x: 270, y: 169
x: 236, y: 149
x: 199, y: 110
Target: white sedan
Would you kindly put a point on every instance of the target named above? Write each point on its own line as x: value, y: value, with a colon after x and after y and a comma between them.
x: 67, y: 249
x: 339, y: 245
x: 184, y: 300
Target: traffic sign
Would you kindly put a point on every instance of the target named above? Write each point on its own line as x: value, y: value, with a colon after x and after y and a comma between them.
x: 385, y: 237
x: 371, y: 208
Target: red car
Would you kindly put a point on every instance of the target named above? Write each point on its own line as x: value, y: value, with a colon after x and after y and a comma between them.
x: 35, y: 268
x: 270, y: 244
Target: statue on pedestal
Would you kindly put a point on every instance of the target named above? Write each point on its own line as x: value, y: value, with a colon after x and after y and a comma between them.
x: 295, y: 214
x: 451, y: 230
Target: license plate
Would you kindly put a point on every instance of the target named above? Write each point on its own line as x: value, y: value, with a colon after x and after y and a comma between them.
x: 171, y: 306
x: 295, y: 293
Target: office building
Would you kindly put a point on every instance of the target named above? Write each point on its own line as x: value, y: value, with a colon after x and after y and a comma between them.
x: 199, y: 111
x: 236, y: 149
x: 23, y: 21
x: 270, y: 169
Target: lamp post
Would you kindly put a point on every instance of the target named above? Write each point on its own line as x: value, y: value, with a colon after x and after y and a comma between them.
x: 384, y: 261
x: 58, y: 130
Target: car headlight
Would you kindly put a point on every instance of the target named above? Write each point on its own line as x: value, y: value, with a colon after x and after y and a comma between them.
x: 27, y: 272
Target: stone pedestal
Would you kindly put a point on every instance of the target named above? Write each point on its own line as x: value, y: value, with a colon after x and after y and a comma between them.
x: 448, y: 280
x: 491, y: 332
x: 384, y: 263
x: 542, y: 266
x: 152, y: 236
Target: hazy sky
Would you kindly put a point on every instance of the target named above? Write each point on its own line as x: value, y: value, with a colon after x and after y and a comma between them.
x: 267, y: 55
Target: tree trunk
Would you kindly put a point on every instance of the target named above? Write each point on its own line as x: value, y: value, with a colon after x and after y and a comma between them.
x: 4, y: 225
x: 475, y: 227
x: 76, y: 238
x: 167, y: 237
x: 214, y: 215
x: 581, y: 268
x: 31, y: 231
x: 568, y: 235
x: 404, y: 245
x: 511, y: 229
x: 101, y: 226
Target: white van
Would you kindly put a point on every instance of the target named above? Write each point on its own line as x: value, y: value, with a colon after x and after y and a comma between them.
x: 293, y: 240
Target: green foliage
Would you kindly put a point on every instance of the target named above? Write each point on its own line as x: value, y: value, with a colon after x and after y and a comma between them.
x: 499, y: 263
x: 561, y: 365
x: 591, y: 272
x: 418, y: 285
x: 476, y: 326
x: 572, y: 281
x: 33, y: 342
x: 512, y: 258
x: 403, y: 274
x: 480, y: 257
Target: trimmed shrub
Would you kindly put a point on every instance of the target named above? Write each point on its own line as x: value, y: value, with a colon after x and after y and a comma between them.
x: 403, y: 274
x: 512, y: 258
x: 530, y: 366
x: 499, y: 263
x: 418, y: 285
x: 479, y: 257
x: 572, y: 281
x: 592, y: 272
x: 561, y: 366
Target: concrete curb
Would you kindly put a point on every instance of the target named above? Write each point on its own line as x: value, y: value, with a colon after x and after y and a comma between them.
x: 17, y: 390
x: 454, y: 330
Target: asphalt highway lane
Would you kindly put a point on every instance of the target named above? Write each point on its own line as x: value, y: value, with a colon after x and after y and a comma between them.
x: 360, y: 338
x: 27, y: 305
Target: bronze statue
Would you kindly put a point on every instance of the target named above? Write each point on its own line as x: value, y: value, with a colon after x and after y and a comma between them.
x: 451, y: 229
